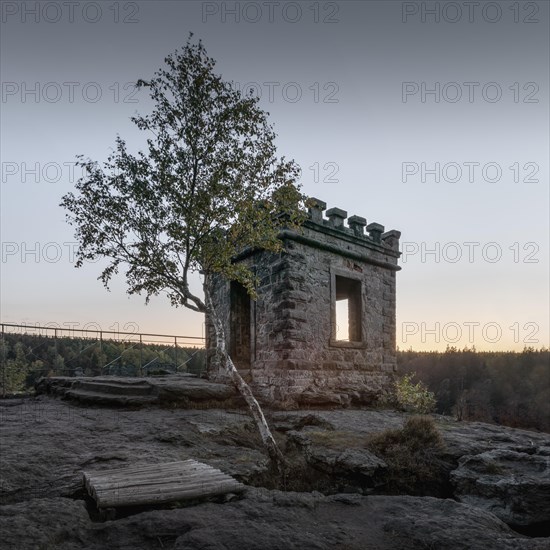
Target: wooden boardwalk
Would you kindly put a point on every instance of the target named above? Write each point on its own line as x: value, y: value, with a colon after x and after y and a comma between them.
x: 158, y: 484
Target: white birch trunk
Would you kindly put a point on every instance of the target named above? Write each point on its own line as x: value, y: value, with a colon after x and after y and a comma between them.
x: 244, y: 389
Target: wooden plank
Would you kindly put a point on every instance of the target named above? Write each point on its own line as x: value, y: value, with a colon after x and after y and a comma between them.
x: 168, y: 489
x: 122, y: 474
x: 152, y: 476
x: 157, y: 479
x: 155, y: 468
x: 134, y: 499
x: 167, y: 466
x: 113, y: 501
x: 158, y: 483
x: 186, y: 467
x: 167, y: 486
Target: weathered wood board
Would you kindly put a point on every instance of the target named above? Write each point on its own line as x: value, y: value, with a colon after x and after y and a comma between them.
x: 158, y: 483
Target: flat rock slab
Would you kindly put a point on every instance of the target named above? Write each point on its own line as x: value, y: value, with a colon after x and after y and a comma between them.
x: 158, y: 484
x: 179, y: 390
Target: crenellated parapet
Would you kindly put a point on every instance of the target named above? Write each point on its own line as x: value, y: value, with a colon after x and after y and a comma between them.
x: 357, y: 228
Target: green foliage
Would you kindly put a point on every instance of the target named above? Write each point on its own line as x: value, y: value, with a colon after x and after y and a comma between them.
x: 24, y: 358
x: 413, y: 397
x: 208, y: 186
x: 14, y: 368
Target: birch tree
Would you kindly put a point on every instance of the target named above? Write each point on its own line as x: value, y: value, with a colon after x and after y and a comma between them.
x: 208, y: 185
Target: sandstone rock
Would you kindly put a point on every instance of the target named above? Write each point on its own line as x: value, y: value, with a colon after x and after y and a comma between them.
x: 345, y: 463
x: 514, y: 486
x: 471, y: 438
x: 426, y: 522
x: 194, y: 390
x: 285, y: 422
x: 323, y: 399
x: 43, y: 523
x: 350, y: 462
x: 266, y: 520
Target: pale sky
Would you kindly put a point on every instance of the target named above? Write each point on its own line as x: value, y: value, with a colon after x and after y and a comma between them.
x: 435, y: 123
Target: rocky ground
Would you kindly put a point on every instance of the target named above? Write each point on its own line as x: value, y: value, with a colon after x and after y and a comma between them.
x: 340, y: 493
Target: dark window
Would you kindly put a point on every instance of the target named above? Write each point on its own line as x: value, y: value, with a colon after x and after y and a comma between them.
x: 239, y: 344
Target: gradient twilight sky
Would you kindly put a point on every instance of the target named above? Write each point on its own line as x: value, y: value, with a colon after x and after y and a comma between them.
x: 348, y: 88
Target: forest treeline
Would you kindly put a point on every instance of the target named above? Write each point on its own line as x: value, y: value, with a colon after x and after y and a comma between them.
x: 25, y: 358
x: 501, y: 387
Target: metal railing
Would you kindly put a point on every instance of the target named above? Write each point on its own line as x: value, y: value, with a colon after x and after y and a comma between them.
x: 156, y: 353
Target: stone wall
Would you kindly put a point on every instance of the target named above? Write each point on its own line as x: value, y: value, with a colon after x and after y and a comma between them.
x: 295, y: 358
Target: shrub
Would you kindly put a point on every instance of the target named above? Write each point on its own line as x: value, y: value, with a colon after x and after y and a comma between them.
x: 413, y: 397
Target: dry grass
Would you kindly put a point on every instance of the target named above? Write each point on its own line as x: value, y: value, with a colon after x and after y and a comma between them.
x: 494, y: 469
x: 418, y: 432
x: 414, y: 455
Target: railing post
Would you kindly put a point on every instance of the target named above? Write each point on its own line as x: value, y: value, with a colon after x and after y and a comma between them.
x: 55, y: 347
x: 100, y: 373
x: 3, y: 366
x: 176, y: 351
x: 141, y: 355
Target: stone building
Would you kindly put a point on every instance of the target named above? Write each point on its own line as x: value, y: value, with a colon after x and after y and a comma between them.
x: 322, y: 329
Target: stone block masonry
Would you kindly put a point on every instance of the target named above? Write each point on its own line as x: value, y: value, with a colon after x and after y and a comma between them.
x: 322, y: 330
